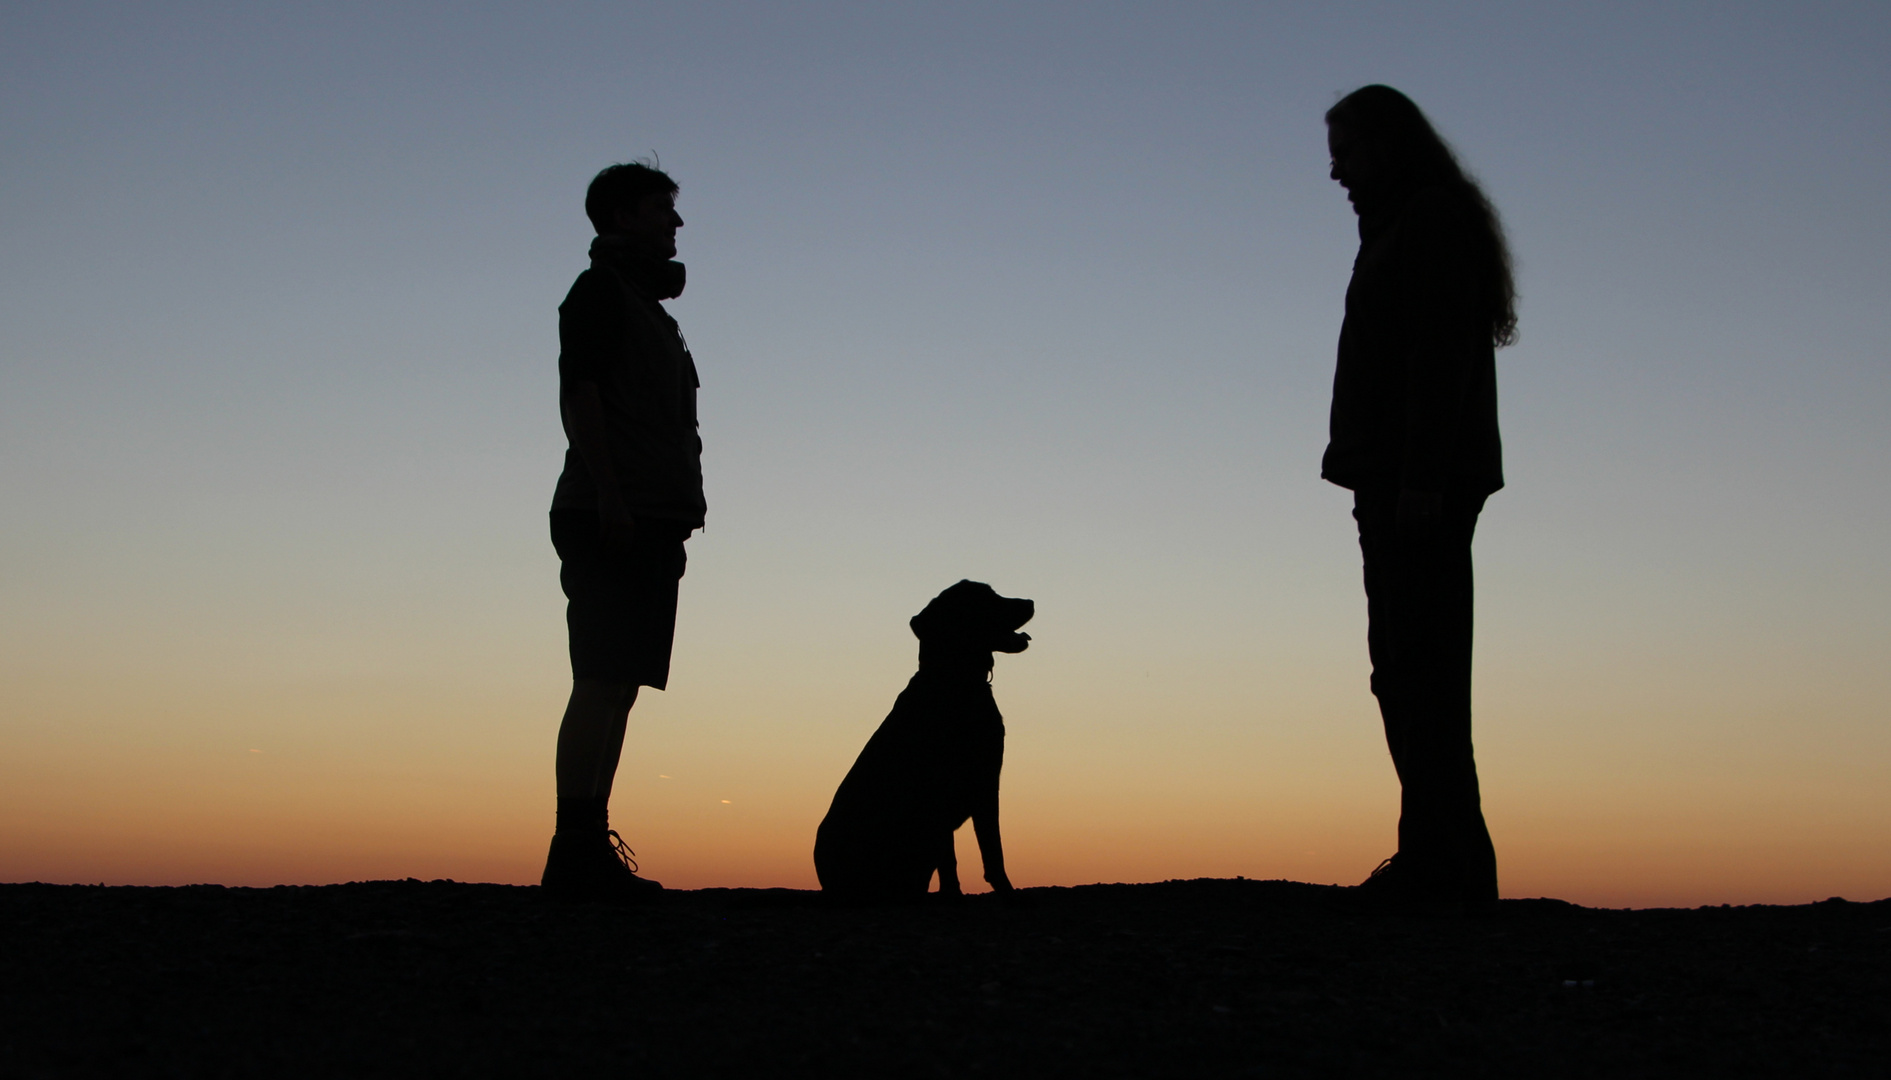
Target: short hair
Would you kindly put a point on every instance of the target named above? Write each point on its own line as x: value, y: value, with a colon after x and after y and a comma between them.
x: 623, y: 186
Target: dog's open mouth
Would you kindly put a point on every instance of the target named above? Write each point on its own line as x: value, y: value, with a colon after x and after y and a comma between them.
x: 1020, y: 612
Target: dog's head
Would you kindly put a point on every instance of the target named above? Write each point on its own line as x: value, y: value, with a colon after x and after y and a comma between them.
x: 969, y: 620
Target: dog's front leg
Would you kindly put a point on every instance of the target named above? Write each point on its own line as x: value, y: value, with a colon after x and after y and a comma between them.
x: 990, y: 847
x: 948, y: 867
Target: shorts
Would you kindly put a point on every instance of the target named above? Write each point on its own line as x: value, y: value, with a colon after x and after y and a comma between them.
x: 621, y: 613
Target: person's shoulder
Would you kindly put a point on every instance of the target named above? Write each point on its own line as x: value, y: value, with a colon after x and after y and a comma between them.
x: 595, y: 289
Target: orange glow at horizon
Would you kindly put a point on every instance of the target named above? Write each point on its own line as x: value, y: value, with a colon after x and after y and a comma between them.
x: 457, y: 789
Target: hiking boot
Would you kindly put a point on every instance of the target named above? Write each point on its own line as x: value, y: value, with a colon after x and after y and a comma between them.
x: 1402, y: 887
x: 580, y: 869
x: 1387, y: 877
x: 567, y: 870
x: 620, y: 870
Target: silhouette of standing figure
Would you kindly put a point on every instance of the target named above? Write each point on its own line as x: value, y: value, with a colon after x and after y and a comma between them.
x: 1414, y: 435
x: 631, y: 493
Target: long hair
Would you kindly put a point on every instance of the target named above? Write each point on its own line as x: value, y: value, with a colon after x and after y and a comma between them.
x: 1410, y: 149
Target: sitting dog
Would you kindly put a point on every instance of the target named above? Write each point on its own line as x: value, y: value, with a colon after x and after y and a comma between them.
x: 933, y: 763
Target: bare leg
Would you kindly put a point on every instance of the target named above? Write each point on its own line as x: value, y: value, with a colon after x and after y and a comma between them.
x: 591, y: 738
x: 586, y: 859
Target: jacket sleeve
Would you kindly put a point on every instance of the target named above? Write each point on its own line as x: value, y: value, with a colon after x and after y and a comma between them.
x: 1442, y: 335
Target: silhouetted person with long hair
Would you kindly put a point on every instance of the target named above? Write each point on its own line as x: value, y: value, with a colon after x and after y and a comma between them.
x: 631, y: 493
x: 1414, y: 435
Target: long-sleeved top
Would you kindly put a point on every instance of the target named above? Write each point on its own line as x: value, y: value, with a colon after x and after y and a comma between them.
x: 613, y: 332
x: 1415, y: 391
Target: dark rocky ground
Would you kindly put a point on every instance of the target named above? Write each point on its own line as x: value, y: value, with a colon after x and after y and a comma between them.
x: 1182, y: 978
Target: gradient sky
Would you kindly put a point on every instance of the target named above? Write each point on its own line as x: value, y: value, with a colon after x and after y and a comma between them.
x: 1044, y: 295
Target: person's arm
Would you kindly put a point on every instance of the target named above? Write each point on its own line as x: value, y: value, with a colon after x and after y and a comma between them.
x: 584, y: 341
x: 583, y: 409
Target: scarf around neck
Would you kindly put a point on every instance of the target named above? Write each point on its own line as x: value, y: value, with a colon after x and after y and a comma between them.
x: 663, y: 279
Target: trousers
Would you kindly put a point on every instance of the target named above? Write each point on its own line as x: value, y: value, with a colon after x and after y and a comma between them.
x: 1419, y: 613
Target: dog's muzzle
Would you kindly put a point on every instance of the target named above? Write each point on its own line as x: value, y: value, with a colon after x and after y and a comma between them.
x: 1021, y: 611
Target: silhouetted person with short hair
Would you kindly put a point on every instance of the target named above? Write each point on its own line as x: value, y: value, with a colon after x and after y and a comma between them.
x: 631, y: 493
x: 1414, y: 435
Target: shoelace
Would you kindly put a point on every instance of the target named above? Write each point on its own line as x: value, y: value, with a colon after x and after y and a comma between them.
x: 630, y: 857
x: 1383, y: 868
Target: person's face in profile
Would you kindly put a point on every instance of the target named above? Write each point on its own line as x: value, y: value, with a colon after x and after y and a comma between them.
x: 1353, y: 165
x: 651, y: 225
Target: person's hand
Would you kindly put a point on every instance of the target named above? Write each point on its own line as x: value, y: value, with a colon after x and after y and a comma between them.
x: 616, y: 523
x: 1419, y: 511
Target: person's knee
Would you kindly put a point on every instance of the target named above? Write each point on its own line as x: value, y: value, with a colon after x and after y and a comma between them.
x: 603, y: 694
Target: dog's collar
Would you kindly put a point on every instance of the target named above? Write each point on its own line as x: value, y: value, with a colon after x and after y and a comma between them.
x: 980, y: 676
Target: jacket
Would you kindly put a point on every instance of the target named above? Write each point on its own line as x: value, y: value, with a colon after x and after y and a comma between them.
x: 612, y: 331
x: 1415, y: 387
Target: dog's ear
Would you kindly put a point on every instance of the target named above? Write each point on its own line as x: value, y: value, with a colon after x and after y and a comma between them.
x: 926, y: 622
x: 946, y: 608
